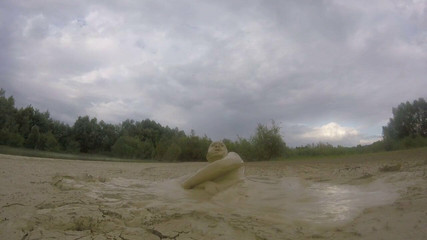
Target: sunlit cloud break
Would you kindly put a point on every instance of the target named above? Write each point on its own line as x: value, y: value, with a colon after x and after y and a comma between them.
x: 332, y: 133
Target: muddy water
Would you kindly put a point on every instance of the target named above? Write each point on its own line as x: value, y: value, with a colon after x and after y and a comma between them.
x: 256, y: 208
x: 52, y: 199
x: 280, y: 201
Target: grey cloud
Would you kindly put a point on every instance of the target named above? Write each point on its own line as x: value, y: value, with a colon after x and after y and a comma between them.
x: 218, y: 67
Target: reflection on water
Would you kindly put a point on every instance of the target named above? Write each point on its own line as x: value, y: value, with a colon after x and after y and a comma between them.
x: 277, y: 200
x: 340, y: 203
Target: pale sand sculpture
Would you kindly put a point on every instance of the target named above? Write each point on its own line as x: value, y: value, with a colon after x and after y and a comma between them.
x: 377, y: 196
x: 224, y: 170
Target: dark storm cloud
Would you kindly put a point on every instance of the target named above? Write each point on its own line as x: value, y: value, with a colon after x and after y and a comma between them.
x: 324, y: 70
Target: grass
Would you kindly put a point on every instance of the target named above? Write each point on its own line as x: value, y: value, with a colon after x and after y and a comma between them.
x: 415, y: 153
x: 406, y: 154
x: 58, y: 155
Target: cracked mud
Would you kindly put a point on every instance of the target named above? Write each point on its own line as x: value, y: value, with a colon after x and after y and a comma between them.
x: 58, y: 199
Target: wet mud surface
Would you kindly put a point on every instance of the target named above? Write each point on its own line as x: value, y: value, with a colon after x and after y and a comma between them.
x: 316, y: 199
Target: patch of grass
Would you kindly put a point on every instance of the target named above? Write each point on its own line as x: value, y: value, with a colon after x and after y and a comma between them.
x: 58, y: 155
x: 407, y: 154
x: 416, y: 154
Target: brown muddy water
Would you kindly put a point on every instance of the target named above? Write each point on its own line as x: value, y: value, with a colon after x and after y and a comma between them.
x: 56, y: 199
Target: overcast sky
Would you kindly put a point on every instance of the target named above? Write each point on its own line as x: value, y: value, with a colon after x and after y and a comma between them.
x: 327, y: 71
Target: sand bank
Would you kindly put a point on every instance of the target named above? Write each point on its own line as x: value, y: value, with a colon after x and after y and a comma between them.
x: 366, y: 197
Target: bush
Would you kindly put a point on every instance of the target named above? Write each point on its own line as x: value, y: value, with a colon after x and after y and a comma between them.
x: 414, y: 142
x: 161, y: 148
x: 245, y: 149
x: 268, y: 142
x: 173, y: 153
x: 73, y: 147
x: 4, y: 136
x: 132, y: 147
x: 15, y: 140
x: 146, y: 150
x: 405, y: 143
x: 33, y: 138
x: 48, y: 142
x: 193, y: 148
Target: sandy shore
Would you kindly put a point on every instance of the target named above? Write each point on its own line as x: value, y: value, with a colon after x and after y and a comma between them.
x: 370, y: 197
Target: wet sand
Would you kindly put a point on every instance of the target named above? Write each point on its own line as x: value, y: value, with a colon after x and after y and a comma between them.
x: 381, y: 196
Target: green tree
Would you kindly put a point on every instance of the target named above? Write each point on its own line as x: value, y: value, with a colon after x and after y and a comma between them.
x: 7, y: 110
x: 409, y: 120
x: 132, y: 147
x: 62, y: 133
x: 168, y: 137
x: 86, y: 131
x: 245, y: 149
x: 146, y: 150
x: 73, y: 146
x: 161, y: 148
x: 9, y: 130
x: 172, y: 153
x: 42, y: 120
x: 128, y: 128
x: 109, y: 134
x: 193, y: 148
x: 24, y: 118
x: 33, y: 138
x: 149, y: 130
x: 48, y: 142
x: 15, y: 140
x: 268, y: 142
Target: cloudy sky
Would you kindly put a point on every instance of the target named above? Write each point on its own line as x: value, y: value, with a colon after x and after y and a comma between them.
x: 327, y: 71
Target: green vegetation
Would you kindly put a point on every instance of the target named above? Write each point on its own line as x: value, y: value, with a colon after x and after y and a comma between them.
x: 408, y: 126
x: 27, y: 131
x: 266, y: 144
x: 61, y: 155
x: 127, y: 146
x: 405, y: 154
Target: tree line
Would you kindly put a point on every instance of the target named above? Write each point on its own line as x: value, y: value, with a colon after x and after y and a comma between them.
x: 29, y: 128
x: 408, y: 126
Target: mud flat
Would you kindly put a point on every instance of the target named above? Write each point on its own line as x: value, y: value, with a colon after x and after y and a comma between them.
x: 377, y: 196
